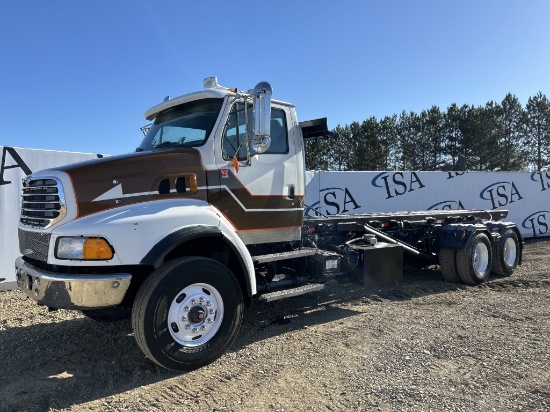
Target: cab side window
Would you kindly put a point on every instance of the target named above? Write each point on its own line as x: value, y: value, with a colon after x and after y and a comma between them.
x: 278, y: 132
x: 234, y: 137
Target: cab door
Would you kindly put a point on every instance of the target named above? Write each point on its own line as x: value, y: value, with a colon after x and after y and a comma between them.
x: 259, y: 191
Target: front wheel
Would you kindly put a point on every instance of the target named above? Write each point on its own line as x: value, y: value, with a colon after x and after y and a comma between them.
x: 187, y: 313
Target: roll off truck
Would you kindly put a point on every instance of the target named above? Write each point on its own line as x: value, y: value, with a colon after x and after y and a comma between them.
x: 208, y: 214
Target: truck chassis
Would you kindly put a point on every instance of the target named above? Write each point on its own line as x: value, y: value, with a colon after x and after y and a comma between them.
x: 468, y: 245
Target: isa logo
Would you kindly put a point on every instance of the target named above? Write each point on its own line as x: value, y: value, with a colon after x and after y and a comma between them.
x: 334, y: 201
x: 452, y: 175
x: 501, y: 194
x: 447, y: 205
x: 15, y: 162
x: 398, y: 183
x: 543, y: 178
x: 537, y: 223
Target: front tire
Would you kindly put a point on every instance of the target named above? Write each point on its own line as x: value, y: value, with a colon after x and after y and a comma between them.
x: 187, y: 313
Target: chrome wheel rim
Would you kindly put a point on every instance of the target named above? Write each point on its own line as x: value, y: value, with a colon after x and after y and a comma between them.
x: 195, y: 314
x: 481, y: 258
x: 510, y: 252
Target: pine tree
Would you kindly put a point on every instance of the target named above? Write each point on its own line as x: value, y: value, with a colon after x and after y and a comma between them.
x: 389, y: 143
x: 510, y: 119
x: 452, y: 134
x: 538, y: 131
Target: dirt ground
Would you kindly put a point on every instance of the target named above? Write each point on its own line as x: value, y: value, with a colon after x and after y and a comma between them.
x: 424, y: 345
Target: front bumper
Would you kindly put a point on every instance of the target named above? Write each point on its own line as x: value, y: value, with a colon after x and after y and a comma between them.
x: 71, y: 291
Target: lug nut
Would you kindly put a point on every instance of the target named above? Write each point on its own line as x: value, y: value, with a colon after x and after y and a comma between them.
x: 208, y: 303
x: 194, y: 330
x: 187, y: 327
x: 203, y: 328
x: 193, y: 301
x: 211, y: 311
x: 184, y: 319
x: 186, y: 309
x: 201, y: 299
x: 208, y: 321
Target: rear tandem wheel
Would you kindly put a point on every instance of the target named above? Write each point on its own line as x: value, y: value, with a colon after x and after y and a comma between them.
x: 447, y: 262
x: 474, y: 263
x: 506, y: 254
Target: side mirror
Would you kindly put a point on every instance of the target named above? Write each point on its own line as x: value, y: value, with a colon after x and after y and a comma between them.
x: 262, y: 117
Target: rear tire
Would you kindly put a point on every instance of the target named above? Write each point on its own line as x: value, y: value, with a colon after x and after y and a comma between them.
x: 187, y: 313
x: 506, y: 254
x: 447, y: 262
x: 474, y: 263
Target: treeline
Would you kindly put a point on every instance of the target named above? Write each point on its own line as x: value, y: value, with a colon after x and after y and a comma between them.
x: 496, y: 137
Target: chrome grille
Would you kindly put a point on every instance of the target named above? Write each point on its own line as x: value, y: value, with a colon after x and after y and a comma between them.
x: 42, y: 202
x: 34, y: 244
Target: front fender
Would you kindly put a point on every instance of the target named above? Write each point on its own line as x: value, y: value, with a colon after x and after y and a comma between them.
x: 137, y: 232
x: 155, y: 257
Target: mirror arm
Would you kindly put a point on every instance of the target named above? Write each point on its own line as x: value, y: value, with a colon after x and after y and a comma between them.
x: 248, y: 157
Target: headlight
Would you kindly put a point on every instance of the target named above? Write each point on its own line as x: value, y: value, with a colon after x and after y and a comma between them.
x: 83, y: 248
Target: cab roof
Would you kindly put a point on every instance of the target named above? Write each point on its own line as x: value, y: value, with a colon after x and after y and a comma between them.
x: 203, y: 94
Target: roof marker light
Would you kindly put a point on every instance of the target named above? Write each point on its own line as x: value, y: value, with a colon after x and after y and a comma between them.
x: 211, y: 83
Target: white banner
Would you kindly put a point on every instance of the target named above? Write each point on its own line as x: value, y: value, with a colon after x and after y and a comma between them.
x: 525, y: 195
x: 17, y: 163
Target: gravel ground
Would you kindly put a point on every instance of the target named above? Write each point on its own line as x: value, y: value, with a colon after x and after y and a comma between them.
x: 425, y: 345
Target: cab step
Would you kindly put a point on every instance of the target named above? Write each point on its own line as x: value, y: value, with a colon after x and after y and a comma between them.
x: 284, y: 255
x: 287, y: 293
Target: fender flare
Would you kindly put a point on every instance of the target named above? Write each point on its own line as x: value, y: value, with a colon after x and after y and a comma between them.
x: 459, y: 236
x: 155, y: 256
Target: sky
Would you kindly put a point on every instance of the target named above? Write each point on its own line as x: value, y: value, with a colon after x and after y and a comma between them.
x: 79, y: 75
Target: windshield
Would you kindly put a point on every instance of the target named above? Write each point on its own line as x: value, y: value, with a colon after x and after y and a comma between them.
x: 185, y: 125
